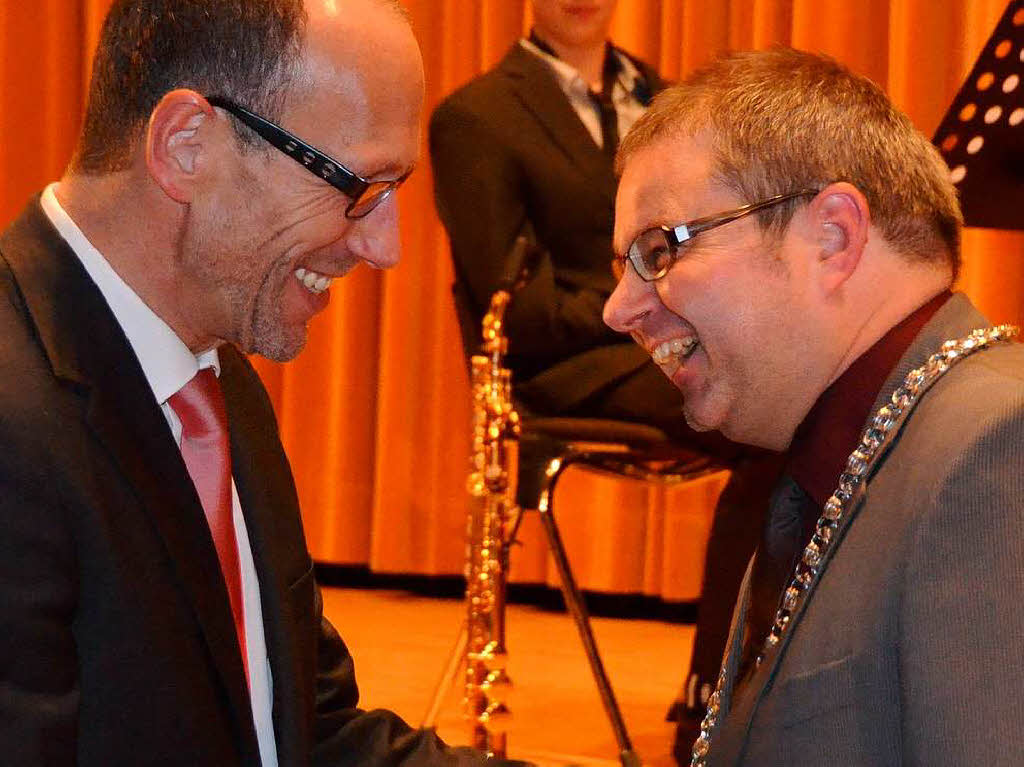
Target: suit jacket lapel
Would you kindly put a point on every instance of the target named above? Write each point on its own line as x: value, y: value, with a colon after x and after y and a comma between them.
x: 267, y: 495
x: 86, y: 347
x: 730, y: 735
x: 954, y: 320
x: 744, y: 705
x: 536, y: 87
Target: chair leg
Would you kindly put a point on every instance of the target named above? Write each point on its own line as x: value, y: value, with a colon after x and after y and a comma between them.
x: 578, y: 610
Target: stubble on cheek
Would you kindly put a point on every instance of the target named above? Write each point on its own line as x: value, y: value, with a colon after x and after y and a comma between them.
x: 270, y: 331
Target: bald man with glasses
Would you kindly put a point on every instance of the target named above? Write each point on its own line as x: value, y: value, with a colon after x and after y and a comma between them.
x: 158, y: 602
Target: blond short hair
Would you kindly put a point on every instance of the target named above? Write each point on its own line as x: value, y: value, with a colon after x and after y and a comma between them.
x: 782, y: 120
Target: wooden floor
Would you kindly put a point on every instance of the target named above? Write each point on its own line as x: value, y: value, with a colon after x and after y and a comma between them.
x: 401, y: 642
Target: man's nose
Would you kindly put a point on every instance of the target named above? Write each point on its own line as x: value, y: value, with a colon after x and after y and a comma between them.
x: 629, y: 303
x: 375, y: 238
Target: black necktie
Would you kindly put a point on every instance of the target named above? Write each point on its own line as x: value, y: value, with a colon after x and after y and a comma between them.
x: 605, y: 105
x: 790, y: 522
x: 609, y: 122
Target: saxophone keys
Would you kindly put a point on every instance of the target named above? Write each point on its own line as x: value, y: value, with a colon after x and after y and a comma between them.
x: 496, y: 716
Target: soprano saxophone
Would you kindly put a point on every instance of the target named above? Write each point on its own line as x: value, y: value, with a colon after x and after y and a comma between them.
x: 490, y: 522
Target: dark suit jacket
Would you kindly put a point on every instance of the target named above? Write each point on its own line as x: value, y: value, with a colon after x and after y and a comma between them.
x: 507, y: 149
x: 908, y: 650
x: 117, y: 643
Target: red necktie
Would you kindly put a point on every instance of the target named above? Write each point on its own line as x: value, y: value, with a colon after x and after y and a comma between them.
x: 199, y: 405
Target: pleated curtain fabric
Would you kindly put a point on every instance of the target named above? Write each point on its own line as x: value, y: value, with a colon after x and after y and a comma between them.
x: 374, y: 414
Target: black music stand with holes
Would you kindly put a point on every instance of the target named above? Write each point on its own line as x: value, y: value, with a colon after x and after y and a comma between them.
x: 981, y: 137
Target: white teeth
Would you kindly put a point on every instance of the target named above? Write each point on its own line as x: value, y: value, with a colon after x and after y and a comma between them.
x: 676, y: 347
x: 313, y: 281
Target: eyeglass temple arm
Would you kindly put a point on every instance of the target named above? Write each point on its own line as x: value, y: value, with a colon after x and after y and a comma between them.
x: 264, y: 128
x: 291, y: 145
x: 702, y: 224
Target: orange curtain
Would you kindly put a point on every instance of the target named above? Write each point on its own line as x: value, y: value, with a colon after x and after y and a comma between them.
x: 374, y: 413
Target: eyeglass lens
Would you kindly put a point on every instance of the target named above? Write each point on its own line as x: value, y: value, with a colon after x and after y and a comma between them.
x: 651, y: 252
x: 372, y: 196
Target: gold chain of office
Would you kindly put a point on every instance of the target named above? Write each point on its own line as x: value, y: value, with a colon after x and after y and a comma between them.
x: 870, y: 448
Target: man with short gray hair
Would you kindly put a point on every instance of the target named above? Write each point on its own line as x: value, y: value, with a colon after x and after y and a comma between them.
x: 787, y: 228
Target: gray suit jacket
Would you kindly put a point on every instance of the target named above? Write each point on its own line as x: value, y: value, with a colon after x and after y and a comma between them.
x: 908, y: 651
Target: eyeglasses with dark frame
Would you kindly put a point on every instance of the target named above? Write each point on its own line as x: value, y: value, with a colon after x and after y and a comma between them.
x: 364, y: 195
x: 654, y: 250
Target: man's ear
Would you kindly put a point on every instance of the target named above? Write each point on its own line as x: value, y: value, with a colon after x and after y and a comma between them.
x: 840, y: 221
x: 175, y: 142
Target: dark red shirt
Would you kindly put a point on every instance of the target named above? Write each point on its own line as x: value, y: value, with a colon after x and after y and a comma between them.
x: 833, y: 426
x: 821, y: 446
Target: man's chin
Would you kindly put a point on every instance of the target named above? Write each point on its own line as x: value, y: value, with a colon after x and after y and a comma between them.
x: 699, y: 420
x: 279, y: 355
x: 695, y: 423
x: 278, y: 347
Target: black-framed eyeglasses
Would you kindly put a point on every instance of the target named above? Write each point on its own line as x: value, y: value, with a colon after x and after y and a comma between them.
x: 654, y: 250
x: 364, y: 195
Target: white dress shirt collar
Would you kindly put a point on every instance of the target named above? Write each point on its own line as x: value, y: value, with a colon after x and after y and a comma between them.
x: 571, y: 81
x: 625, y: 94
x: 166, y: 362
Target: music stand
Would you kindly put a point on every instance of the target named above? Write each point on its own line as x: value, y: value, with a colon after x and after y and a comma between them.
x: 982, y: 135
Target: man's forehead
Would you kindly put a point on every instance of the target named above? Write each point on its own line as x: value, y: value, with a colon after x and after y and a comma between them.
x: 366, y: 54
x: 662, y: 183
x: 359, y: 30
x: 350, y: 121
x: 363, y: 86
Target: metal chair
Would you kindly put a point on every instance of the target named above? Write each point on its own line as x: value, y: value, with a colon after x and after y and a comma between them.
x: 547, y: 447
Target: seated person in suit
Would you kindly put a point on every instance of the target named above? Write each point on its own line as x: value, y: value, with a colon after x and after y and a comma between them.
x: 157, y: 600
x: 880, y: 620
x: 529, y: 147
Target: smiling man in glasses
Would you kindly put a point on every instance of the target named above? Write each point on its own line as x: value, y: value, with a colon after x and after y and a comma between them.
x: 787, y: 242
x: 157, y: 600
